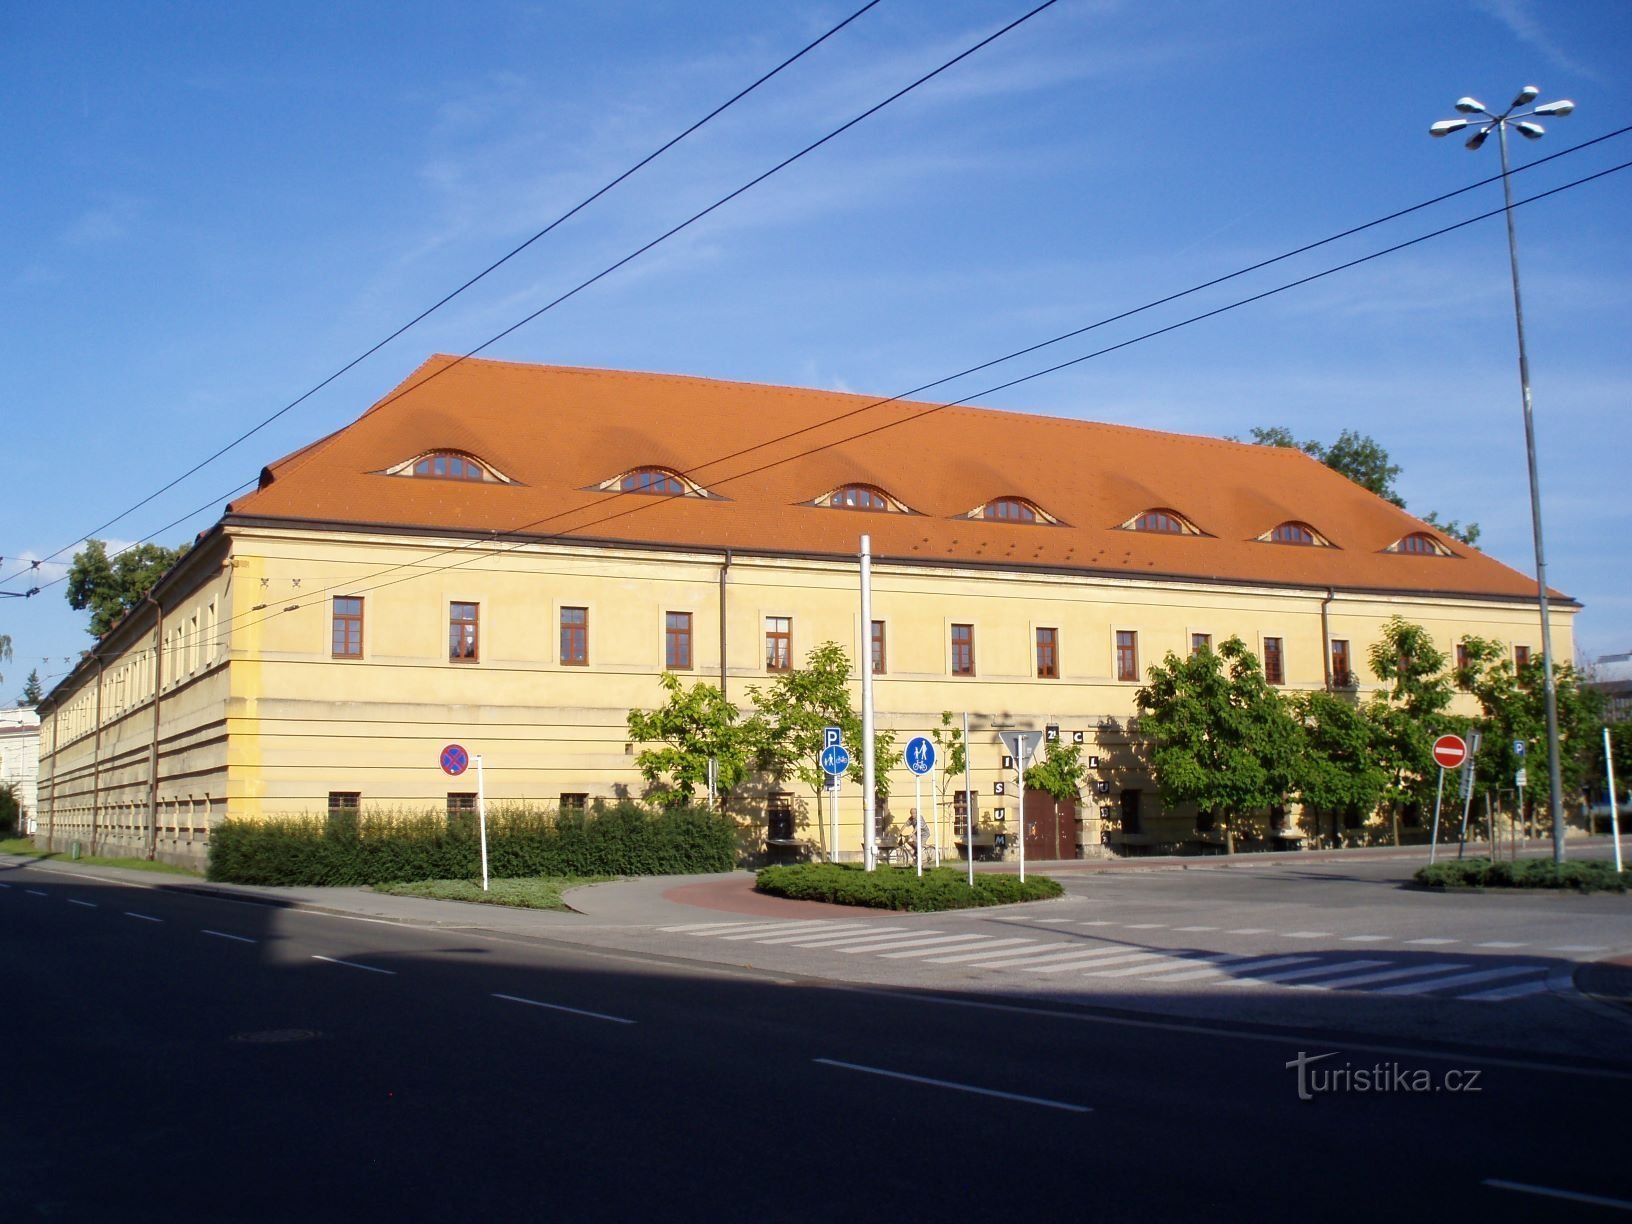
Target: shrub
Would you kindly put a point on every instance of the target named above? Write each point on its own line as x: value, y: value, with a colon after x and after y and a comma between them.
x: 1585, y: 876
x: 900, y: 888
x: 521, y: 841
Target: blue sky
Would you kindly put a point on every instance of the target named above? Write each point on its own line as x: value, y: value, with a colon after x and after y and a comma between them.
x: 210, y: 208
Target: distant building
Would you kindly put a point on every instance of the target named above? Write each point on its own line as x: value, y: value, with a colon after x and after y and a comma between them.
x: 509, y: 557
x: 20, y: 756
x: 1612, y: 676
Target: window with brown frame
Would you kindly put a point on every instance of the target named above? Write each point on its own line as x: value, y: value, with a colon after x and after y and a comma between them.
x: 1200, y: 642
x: 1341, y: 675
x: 1159, y: 521
x: 860, y: 497
x: 1292, y: 533
x: 448, y: 466
x: 878, y: 648
x: 1009, y: 510
x: 1421, y: 544
x: 779, y: 826
x: 461, y: 803
x: 1048, y: 654
x: 651, y: 480
x: 1462, y: 660
x: 779, y: 643
x: 1127, y: 654
x: 677, y: 641
x: 1521, y: 657
x: 463, y: 639
x: 963, y: 650
x: 574, y: 801
x: 348, y: 627
x: 1274, y: 661
x: 575, y: 637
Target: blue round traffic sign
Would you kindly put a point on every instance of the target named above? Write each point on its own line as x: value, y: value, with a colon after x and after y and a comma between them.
x: 454, y: 759
x: 920, y: 755
x: 835, y: 758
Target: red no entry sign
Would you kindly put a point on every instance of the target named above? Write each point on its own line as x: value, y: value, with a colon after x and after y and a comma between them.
x: 1449, y: 751
x: 455, y: 759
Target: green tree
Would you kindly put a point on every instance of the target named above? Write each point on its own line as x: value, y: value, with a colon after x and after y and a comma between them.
x: 5, y: 650
x: 32, y: 692
x: 1410, y: 712
x: 1060, y: 773
x: 1513, y: 704
x: 1339, y: 770
x: 1365, y: 461
x: 792, y: 711
x: 693, y: 726
x: 1221, y: 737
x: 110, y: 587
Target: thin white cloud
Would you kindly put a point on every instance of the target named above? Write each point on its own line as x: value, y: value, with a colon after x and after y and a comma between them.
x: 1519, y: 17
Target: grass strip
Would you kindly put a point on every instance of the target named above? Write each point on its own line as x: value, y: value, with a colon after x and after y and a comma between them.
x: 539, y: 892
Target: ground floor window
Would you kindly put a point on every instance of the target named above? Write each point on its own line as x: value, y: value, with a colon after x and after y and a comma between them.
x: 574, y: 801
x: 779, y: 816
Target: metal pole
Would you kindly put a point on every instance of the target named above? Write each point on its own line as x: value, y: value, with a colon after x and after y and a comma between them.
x: 1467, y: 802
x: 1433, y: 841
x: 1614, y: 806
x: 868, y: 781
x: 481, y: 815
x: 1020, y: 827
x: 918, y: 826
x: 968, y: 804
x: 833, y: 816
x: 1490, y: 819
x: 1555, y: 798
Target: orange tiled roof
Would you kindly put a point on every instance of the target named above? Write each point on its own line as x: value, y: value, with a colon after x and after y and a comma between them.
x: 765, y: 452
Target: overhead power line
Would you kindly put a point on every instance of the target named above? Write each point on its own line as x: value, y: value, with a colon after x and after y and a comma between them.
x: 446, y: 298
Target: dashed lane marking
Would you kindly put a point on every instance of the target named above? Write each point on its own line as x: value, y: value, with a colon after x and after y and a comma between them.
x: 1195, y: 928
x: 234, y: 938
x: 1433, y: 941
x: 1144, y: 926
x: 84, y: 904
x: 354, y: 965
x: 1306, y: 934
x: 1580, y: 948
x: 1248, y: 931
x: 956, y: 1087
x: 1501, y: 943
x: 1364, y: 938
x: 34, y: 892
x: 143, y: 917
x: 573, y: 1011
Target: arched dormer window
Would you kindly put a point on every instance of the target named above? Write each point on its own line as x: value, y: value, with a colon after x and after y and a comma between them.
x: 1420, y: 544
x: 448, y: 465
x: 659, y: 480
x: 1012, y: 510
x: 862, y: 497
x: 1161, y: 521
x: 1292, y: 532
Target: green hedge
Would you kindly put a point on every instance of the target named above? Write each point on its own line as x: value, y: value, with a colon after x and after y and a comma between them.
x: 375, y: 848
x: 900, y: 888
x: 1586, y: 876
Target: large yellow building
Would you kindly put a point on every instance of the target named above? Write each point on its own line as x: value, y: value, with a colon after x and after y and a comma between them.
x: 509, y: 557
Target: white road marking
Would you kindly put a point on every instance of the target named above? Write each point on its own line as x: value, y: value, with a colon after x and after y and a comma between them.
x: 1292, y: 975
x: 1502, y: 993
x: 143, y: 917
x: 1305, y: 934
x: 235, y: 938
x: 1133, y: 970
x: 758, y: 930
x: 1501, y: 943
x: 1199, y: 928
x: 1460, y: 979
x: 1184, y: 968
x: 966, y: 941
x: 987, y: 950
x: 1091, y: 960
x: 354, y: 965
x: 923, y: 940
x: 1145, y: 926
x: 1099, y: 922
x: 1386, y: 975
x: 1037, y: 956
x: 835, y: 941
x: 956, y: 1087
x: 1363, y: 938
x: 1579, y: 948
x: 34, y: 892
x: 1274, y: 962
x: 1574, y: 1196
x: 688, y: 928
x: 86, y: 904
x: 795, y: 938
x: 1249, y: 931
x: 1433, y: 941
x: 1046, y: 920
x: 574, y: 1011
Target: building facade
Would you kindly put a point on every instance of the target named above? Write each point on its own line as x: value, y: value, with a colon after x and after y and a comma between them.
x: 20, y: 757
x: 509, y: 557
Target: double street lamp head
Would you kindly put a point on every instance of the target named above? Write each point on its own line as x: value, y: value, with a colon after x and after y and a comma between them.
x: 1492, y: 121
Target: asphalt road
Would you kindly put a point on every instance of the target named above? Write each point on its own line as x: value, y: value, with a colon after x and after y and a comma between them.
x: 180, y: 1057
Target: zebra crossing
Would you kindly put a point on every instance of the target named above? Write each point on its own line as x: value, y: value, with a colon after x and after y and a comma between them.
x: 1370, y: 970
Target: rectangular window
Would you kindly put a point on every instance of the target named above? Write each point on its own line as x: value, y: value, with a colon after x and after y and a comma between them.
x: 1200, y: 642
x: 1130, y: 812
x: 1341, y: 676
x: 1274, y: 661
x: 348, y: 627
x: 963, y: 650
x: 1521, y: 657
x: 574, y: 801
x: 677, y: 641
x: 1127, y: 654
x: 461, y: 803
x: 778, y: 643
x: 343, y: 809
x: 878, y: 648
x: 462, y: 636
x: 575, y: 637
x: 962, y: 800
x: 1461, y: 663
x: 779, y: 816
x: 1048, y: 654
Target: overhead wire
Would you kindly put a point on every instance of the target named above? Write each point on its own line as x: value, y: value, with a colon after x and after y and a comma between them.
x: 446, y: 298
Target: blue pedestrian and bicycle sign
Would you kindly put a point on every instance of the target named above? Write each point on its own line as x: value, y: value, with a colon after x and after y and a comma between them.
x: 920, y: 755
x: 454, y: 760
x: 835, y: 758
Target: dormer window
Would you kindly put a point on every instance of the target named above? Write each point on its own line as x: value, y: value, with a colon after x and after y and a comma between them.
x: 1161, y: 522
x: 657, y: 480
x: 1420, y: 544
x: 861, y: 497
x: 1295, y: 533
x: 1012, y: 510
x: 448, y: 465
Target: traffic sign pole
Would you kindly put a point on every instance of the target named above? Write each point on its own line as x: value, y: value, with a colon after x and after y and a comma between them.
x: 1433, y: 842
x: 1614, y: 804
x: 481, y: 815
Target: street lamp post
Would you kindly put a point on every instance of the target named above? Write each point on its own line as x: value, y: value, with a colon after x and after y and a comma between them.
x: 1488, y: 121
